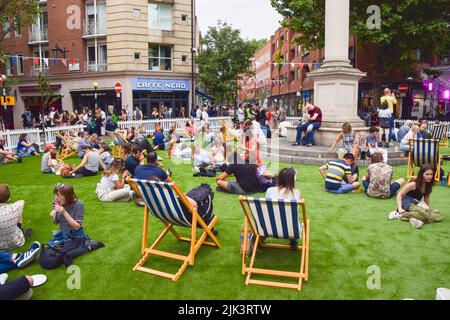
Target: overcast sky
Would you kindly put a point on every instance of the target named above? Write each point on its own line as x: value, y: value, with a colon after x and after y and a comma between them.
x: 255, y: 18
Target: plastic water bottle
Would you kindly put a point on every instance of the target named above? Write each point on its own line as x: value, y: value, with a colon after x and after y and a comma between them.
x: 444, y: 181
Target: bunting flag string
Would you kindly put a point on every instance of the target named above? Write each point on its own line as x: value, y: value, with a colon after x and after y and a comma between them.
x: 45, y: 61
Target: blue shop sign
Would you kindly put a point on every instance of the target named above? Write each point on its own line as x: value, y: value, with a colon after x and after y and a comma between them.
x: 150, y: 84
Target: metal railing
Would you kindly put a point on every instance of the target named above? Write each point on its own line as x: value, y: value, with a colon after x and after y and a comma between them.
x: 89, y: 28
x: 180, y: 123
x: 35, y: 71
x: 91, y: 66
x: 37, y: 35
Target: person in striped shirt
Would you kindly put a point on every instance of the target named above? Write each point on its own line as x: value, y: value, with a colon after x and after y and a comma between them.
x: 338, y: 175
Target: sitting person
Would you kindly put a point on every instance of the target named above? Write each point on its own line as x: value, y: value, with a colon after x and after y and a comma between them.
x: 208, y: 136
x: 378, y: 180
x: 217, y: 154
x: 111, y: 188
x: 245, y: 174
x: 285, y: 189
x: 25, y: 148
x: 404, y: 129
x: 409, y: 198
x: 181, y: 151
x: 372, y: 144
x: 314, y: 121
x: 201, y: 157
x: 68, y: 212
x: 151, y: 169
x: 251, y: 144
x: 82, y: 142
x: 349, y: 142
x: 134, y: 160
x: 423, y: 131
x: 338, y: 175
x: 94, y: 141
x: 12, y: 234
x: 11, y: 261
x: 5, y: 156
x: 46, y: 163
x: 105, y: 156
x: 412, y: 134
x: 90, y: 164
x: 158, y: 140
x: 20, y: 289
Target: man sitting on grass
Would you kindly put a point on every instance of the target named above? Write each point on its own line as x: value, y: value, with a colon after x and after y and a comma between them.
x: 152, y: 169
x: 338, y: 175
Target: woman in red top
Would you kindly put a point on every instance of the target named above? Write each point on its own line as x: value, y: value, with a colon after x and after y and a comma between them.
x: 251, y: 145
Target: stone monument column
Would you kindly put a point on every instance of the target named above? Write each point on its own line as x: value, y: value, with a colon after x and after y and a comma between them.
x: 336, y: 82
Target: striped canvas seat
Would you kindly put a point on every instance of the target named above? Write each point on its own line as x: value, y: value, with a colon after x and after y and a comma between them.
x: 276, y: 218
x: 440, y: 132
x: 121, y: 140
x: 279, y: 219
x: 424, y: 151
x: 162, y: 202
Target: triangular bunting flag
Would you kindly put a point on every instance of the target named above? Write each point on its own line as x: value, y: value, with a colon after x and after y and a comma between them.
x: 55, y: 61
x: 45, y: 62
x: 275, y: 64
x: 293, y: 65
x: 13, y: 60
x: 64, y: 61
x: 72, y: 61
x: 36, y: 60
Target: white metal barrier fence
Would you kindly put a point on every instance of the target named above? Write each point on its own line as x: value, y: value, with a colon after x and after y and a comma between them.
x: 150, y: 125
x: 12, y: 138
x: 50, y: 133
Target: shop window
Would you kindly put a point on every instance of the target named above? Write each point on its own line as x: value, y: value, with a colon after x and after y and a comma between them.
x: 159, y: 57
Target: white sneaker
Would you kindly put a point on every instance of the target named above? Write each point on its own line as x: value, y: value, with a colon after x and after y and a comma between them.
x: 394, y: 215
x: 3, y: 278
x: 38, y: 280
x: 416, y: 223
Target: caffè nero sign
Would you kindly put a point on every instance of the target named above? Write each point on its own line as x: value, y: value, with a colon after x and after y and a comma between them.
x: 151, y: 84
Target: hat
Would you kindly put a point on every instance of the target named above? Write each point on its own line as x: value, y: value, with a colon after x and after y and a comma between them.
x: 49, y: 146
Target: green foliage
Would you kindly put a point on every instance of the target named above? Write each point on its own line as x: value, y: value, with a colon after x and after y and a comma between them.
x: 224, y: 58
x: 45, y: 90
x: 406, y: 27
x: 21, y: 12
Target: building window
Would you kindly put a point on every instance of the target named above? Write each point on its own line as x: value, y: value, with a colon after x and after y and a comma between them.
x: 159, y: 57
x: 137, y: 55
x: 20, y: 63
x: 184, y: 58
x: 97, y: 65
x: 160, y: 16
x: 6, y: 29
x: 9, y: 66
x: 17, y: 28
x: 184, y: 17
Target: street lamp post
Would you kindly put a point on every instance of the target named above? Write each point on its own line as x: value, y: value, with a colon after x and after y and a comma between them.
x: 95, y: 86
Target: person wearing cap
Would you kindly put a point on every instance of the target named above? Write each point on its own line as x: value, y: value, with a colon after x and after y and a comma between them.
x: 46, y: 162
x: 403, y: 131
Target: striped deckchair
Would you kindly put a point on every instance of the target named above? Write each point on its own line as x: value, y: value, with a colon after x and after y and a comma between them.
x: 424, y: 151
x: 119, y: 142
x: 439, y: 132
x: 163, y: 200
x: 68, y: 148
x: 279, y: 219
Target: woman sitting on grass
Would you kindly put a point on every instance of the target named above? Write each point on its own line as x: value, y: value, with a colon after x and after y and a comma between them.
x: 111, y: 188
x: 408, y: 200
x: 25, y: 148
x: 348, y: 138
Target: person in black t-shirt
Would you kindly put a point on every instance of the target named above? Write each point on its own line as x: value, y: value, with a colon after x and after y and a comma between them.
x: 133, y: 160
x: 246, y: 179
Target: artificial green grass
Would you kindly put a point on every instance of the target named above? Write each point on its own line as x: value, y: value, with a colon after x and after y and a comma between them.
x: 349, y: 233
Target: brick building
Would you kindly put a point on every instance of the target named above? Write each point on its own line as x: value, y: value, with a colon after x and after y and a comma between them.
x: 145, y: 45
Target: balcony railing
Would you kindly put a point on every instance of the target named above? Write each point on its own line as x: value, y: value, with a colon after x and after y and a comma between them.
x: 38, y: 35
x: 89, y: 28
x: 36, y: 70
x: 91, y: 66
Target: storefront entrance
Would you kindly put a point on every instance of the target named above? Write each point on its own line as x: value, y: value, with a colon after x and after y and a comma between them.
x: 105, y: 98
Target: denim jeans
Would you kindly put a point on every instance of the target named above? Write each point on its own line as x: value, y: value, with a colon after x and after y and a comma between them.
x: 6, y: 263
x: 60, y: 237
x: 309, y: 135
x: 392, y: 136
x: 345, y: 188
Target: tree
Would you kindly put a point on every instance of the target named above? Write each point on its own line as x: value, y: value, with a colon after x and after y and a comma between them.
x: 15, y: 13
x: 46, y: 92
x: 406, y: 27
x: 224, y: 58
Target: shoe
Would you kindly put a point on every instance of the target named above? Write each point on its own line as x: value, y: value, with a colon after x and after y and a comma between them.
x: 296, y: 144
x: 416, y: 223
x: 309, y: 145
x: 27, y: 233
x: 386, y: 145
x: 394, y: 215
x: 38, y: 280
x: 169, y: 172
x: 27, y: 257
x: 3, y: 278
x: 93, y: 245
x: 19, y: 160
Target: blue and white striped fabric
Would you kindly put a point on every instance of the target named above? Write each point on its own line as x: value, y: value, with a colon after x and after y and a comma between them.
x: 114, y: 137
x: 425, y: 151
x: 162, y: 202
x: 120, y: 140
x: 439, y: 131
x: 276, y: 218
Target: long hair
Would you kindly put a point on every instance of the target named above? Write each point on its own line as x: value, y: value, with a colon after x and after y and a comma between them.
x: 420, y: 182
x: 23, y: 137
x: 286, y: 180
x: 115, y: 168
x: 67, y: 191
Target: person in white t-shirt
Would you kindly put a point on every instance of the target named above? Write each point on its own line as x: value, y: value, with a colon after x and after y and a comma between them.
x: 286, y: 190
x: 111, y: 188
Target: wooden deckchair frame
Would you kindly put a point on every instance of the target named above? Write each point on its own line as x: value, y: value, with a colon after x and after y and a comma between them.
x: 117, y: 149
x: 304, y: 248
x: 412, y: 165
x: 195, y: 243
x: 67, y: 149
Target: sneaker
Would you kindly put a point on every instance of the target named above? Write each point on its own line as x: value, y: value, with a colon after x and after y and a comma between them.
x: 309, y: 145
x: 394, y: 215
x: 93, y: 245
x: 24, y: 259
x: 416, y: 223
x: 27, y: 233
x: 296, y: 144
x: 3, y: 278
x: 38, y: 280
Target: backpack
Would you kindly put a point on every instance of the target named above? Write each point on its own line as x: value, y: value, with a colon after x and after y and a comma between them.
x: 53, y: 257
x: 204, y: 197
